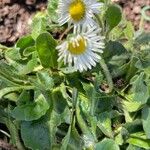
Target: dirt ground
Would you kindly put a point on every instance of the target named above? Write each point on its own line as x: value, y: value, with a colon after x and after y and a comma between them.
x: 132, y: 10
x: 16, y: 15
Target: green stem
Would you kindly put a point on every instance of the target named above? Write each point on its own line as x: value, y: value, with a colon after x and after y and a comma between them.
x: 14, y: 132
x: 132, y: 69
x: 7, y: 90
x: 80, y: 120
x: 141, y: 24
x: 74, y: 98
x: 107, y: 74
x: 102, y: 62
x: 93, y: 103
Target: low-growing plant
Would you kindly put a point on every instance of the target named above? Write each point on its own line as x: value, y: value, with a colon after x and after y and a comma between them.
x: 79, y: 80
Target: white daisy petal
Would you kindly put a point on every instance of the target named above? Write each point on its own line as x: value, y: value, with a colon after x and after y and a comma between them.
x: 85, y: 61
x: 78, y: 12
x: 82, y: 50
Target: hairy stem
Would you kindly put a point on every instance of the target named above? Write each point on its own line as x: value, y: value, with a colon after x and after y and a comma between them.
x: 80, y: 120
x: 14, y: 132
x: 64, y: 33
x: 15, y: 135
x: 107, y: 74
x: 93, y: 103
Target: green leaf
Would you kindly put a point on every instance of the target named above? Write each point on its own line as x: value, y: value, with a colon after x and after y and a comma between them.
x: 66, y: 140
x: 45, y: 46
x: 72, y: 140
x: 143, y: 38
x: 91, y: 95
x: 139, y: 89
x: 7, y: 90
x: 133, y: 127
x: 52, y: 10
x: 12, y: 96
x: 119, y: 139
x: 113, y: 16
x: 139, y: 139
x: 25, y: 65
x: 105, y: 103
x: 104, y: 123
x: 3, y: 115
x: 9, y: 75
x: 56, y: 120
x: 116, y: 33
x: 146, y: 121
x: 75, y: 82
x: 137, y: 95
x: 107, y: 144
x: 132, y: 147
x: 114, y: 48
x: 25, y: 42
x: 58, y: 101
x: 23, y: 98
x: 29, y: 51
x: 132, y: 106
x: 29, y: 66
x: 13, y: 54
x: 131, y: 69
x: 31, y: 110
x: 45, y: 81
x: 129, y: 31
x: 39, y: 24
x: 36, y: 135
x: 116, y: 57
x: 143, y: 64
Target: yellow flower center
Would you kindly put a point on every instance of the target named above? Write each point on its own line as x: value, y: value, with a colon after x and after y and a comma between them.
x: 77, y: 10
x: 78, y: 47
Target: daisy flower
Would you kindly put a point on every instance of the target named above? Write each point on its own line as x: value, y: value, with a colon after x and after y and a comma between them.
x: 81, y: 51
x: 78, y: 11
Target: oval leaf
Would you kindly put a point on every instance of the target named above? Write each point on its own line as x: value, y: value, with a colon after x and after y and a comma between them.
x: 143, y: 143
x: 45, y: 46
x: 25, y: 42
x: 113, y: 16
x: 31, y: 110
x: 107, y: 144
x: 146, y: 121
x: 36, y: 135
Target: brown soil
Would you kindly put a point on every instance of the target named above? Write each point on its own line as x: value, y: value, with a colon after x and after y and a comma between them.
x: 15, y: 17
x: 132, y: 10
x: 6, y: 146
